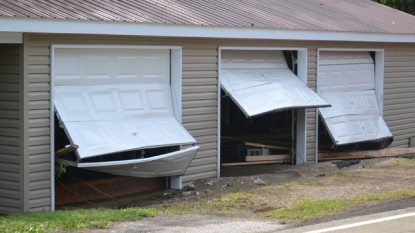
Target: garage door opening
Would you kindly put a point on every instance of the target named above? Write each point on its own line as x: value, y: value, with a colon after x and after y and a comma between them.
x: 121, y: 107
x: 352, y: 82
x: 263, y: 101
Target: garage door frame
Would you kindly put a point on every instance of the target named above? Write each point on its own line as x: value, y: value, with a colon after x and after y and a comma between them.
x: 176, y: 90
x: 301, y: 113
x: 379, y: 62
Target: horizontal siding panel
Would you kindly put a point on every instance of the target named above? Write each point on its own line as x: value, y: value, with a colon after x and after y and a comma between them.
x: 198, y: 176
x: 39, y: 87
x: 40, y: 193
x: 196, y: 118
x: 10, y: 132
x: 10, y: 158
x: 387, y: 108
x: 39, y: 122
x: 10, y: 96
x: 13, y: 87
x: 401, y: 63
x: 196, y: 111
x: 39, y: 204
x: 200, y: 67
x: 39, y: 158
x: 11, y: 123
x: 9, y: 78
x: 40, y: 140
x: 10, y: 176
x: 200, y: 96
x: 399, y: 69
x: 199, y: 125
x: 201, y: 168
x: 40, y: 104
x: 200, y: 81
x: 11, y: 194
x: 206, y: 153
x: 8, y: 210
x: 204, y: 161
x: 11, y: 141
x: 9, y: 202
x: 200, y: 89
x: 39, y: 51
x: 203, y: 132
x: 10, y: 150
x: 400, y: 101
x: 200, y: 52
x: 38, y: 149
x: 200, y: 60
x: 9, y: 114
x: 36, y: 167
x: 39, y: 184
x: 7, y: 166
x: 205, y: 139
x: 39, y: 96
x: 42, y: 177
x: 39, y: 69
x: 39, y: 113
x: 9, y: 69
x: 200, y: 74
x: 33, y: 132
x: 39, y: 60
x: 39, y: 78
x: 9, y: 185
x: 9, y: 105
x: 199, y: 103
x: 400, y: 85
x: 397, y: 96
x: 399, y: 79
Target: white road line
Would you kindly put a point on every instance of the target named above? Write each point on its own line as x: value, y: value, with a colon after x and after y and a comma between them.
x: 363, y: 223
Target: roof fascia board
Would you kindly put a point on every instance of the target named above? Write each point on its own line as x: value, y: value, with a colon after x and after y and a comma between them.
x: 25, y: 25
x: 11, y: 38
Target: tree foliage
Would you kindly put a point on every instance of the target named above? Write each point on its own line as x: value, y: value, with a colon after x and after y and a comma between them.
x: 407, y: 6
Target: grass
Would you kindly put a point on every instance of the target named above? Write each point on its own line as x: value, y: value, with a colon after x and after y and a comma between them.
x: 73, y: 220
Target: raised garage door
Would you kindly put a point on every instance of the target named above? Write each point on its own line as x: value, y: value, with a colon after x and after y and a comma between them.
x: 260, y: 82
x: 115, y: 100
x: 347, y: 81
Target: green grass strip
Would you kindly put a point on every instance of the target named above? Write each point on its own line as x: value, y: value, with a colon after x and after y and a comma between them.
x: 46, y: 221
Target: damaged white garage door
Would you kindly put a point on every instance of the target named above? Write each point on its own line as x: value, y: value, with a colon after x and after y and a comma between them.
x: 260, y: 82
x: 115, y: 100
x: 347, y: 81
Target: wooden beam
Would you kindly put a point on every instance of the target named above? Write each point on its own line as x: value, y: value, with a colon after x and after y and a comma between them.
x: 66, y: 150
x: 388, y: 152
x: 267, y: 146
x: 267, y: 158
x: 252, y: 163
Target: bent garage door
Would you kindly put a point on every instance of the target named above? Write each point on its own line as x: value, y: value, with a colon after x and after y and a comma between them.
x: 111, y: 100
x: 346, y: 79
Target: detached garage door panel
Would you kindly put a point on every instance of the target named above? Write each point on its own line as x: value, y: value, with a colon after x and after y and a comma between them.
x: 113, y: 100
x: 257, y: 90
x: 347, y: 81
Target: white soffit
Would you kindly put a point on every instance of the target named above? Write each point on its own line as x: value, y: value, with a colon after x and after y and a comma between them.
x: 346, y: 80
x: 171, y: 164
x: 260, y: 82
x: 114, y: 100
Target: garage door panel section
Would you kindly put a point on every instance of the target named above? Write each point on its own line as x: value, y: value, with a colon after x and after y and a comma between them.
x: 353, y: 77
x: 259, y: 90
x: 106, y: 137
x: 100, y: 66
x: 171, y: 164
x: 357, y: 128
x: 352, y: 103
x: 347, y: 81
x: 344, y: 57
x: 113, y: 102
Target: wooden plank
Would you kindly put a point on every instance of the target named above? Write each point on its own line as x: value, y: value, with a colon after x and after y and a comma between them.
x: 252, y: 163
x: 105, y: 188
x: 266, y: 158
x: 388, y: 152
x: 267, y: 146
x: 66, y: 150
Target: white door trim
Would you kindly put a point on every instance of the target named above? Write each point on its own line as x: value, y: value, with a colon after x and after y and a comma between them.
x: 301, y: 73
x: 176, y: 86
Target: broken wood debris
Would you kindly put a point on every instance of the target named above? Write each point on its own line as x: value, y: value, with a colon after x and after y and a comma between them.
x: 267, y: 158
x: 66, y: 150
x: 266, y: 146
x: 366, y: 154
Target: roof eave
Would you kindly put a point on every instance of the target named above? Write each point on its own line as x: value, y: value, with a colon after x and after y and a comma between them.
x: 37, y: 25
